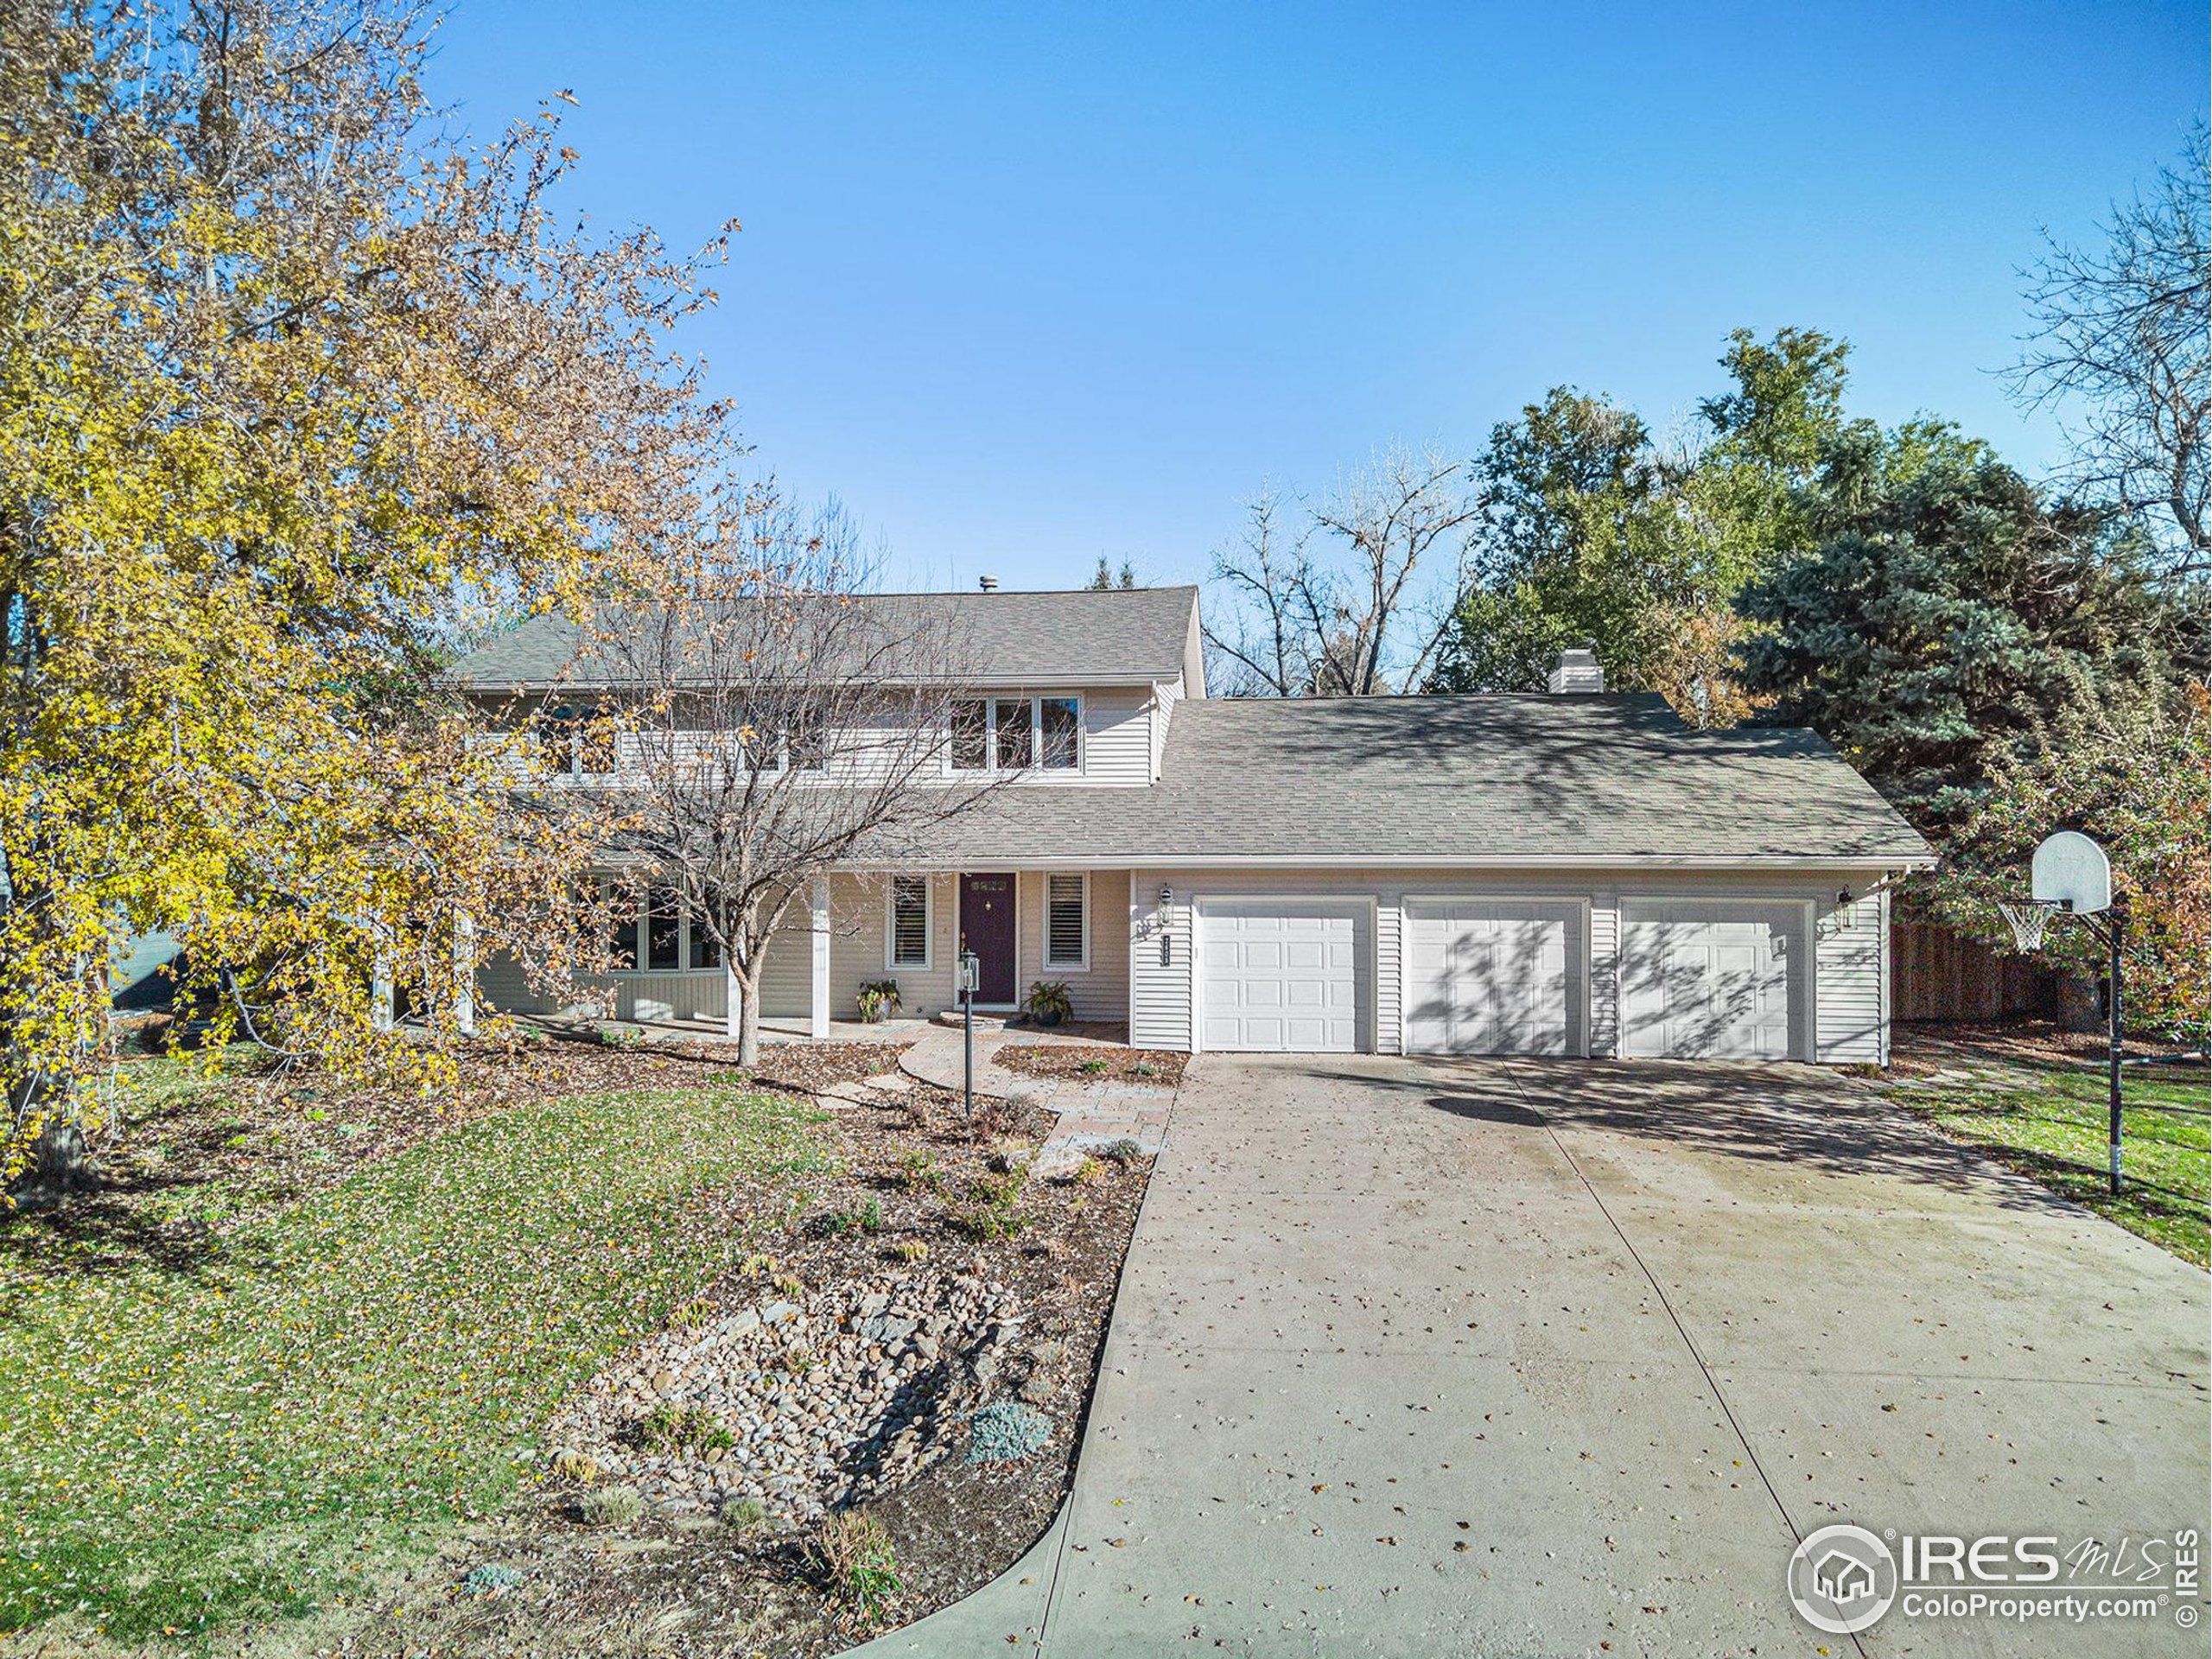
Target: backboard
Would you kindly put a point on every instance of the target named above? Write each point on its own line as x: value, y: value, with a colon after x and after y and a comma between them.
x: 2070, y: 871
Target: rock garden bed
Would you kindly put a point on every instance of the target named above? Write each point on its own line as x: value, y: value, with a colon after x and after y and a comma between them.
x: 873, y: 1414
x: 1094, y: 1063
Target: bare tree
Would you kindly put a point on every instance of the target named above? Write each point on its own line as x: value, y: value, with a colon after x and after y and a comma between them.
x: 1367, y: 622
x: 2121, y: 341
x: 771, y: 721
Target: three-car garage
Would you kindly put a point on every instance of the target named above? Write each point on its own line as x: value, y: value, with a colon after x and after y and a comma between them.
x: 1560, y: 973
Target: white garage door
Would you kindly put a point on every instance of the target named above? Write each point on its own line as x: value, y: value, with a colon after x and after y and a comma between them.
x: 1493, y: 976
x: 1712, y: 980
x: 1279, y: 975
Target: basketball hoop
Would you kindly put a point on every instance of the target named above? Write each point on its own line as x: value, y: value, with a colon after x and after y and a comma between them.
x: 2028, y: 921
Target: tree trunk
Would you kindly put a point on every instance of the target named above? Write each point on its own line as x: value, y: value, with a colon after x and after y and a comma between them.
x: 748, y: 1019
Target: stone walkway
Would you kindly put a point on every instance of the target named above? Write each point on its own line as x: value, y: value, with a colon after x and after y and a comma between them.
x: 1091, y: 1115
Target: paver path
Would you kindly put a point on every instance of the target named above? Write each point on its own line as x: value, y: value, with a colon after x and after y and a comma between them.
x: 1527, y: 1357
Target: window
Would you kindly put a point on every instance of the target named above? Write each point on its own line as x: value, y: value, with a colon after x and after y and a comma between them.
x: 622, y: 938
x: 1017, y: 732
x: 809, y: 741
x: 971, y: 734
x: 664, y: 931
x: 906, y: 943
x: 1067, y: 931
x: 1059, y: 723
x: 705, y: 953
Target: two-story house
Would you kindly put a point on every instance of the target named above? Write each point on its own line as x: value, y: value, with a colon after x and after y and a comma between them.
x: 1577, y: 873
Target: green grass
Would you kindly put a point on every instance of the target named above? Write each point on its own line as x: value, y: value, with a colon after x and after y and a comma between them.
x: 2051, y: 1122
x: 239, y: 1435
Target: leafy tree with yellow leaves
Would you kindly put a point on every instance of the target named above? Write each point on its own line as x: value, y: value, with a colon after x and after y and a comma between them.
x: 295, y: 394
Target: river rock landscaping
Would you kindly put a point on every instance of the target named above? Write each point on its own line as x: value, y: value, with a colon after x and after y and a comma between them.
x: 800, y: 1408
x: 620, y: 1348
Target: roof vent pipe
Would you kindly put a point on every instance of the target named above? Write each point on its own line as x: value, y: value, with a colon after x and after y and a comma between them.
x: 989, y: 584
x: 1576, y: 673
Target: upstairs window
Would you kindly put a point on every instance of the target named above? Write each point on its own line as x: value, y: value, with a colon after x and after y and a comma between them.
x: 907, y: 941
x: 808, y: 741
x: 1067, y: 930
x: 971, y: 734
x: 1059, y: 724
x: 1017, y: 734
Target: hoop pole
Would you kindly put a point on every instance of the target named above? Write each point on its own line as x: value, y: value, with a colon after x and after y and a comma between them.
x: 2115, y: 924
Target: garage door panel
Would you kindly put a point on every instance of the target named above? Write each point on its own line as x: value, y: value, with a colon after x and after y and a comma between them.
x: 1712, y: 982
x: 1279, y: 975
x: 1493, y: 976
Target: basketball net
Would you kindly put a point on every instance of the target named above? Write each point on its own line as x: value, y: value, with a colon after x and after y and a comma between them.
x: 2028, y: 921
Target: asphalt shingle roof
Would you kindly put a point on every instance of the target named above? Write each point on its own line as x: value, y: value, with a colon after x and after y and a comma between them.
x: 1087, y: 636
x: 1504, y: 776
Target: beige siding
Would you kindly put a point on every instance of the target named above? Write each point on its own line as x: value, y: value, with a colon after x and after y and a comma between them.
x: 1850, y: 950
x: 1165, y: 697
x: 502, y: 987
x: 1101, y: 991
x: 1117, y: 735
x: 787, y: 975
x: 857, y: 923
x: 1604, y: 973
x: 1849, y: 962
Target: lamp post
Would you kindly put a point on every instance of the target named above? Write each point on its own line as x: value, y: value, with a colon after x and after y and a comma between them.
x: 970, y: 978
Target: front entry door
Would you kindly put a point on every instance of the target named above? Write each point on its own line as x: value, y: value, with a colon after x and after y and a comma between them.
x: 987, y: 928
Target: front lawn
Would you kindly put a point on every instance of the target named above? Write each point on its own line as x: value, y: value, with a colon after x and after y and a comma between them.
x: 2048, y: 1120
x: 244, y: 1424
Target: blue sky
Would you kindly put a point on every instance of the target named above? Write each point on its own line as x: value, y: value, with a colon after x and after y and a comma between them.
x: 1024, y: 285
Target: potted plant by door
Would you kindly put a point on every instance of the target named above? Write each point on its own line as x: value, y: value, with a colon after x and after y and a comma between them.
x: 878, y: 1000
x: 1048, y: 1002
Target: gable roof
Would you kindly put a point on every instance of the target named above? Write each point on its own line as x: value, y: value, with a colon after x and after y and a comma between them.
x: 1484, y: 777
x: 1130, y: 635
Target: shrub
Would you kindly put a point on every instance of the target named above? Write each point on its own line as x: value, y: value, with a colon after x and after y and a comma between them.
x: 861, y: 1218
x: 680, y: 1428
x: 1092, y: 1068
x: 879, y: 1000
x: 917, y: 1172
x: 575, y: 1467
x: 491, y: 1579
x: 910, y: 1249
x: 1146, y: 1068
x: 1088, y: 1173
x: 1007, y: 1157
x: 741, y: 1514
x: 610, y: 1506
x: 621, y: 1036
x: 1049, y: 1001
x: 1123, y: 1151
x: 851, y: 1556
x: 1006, y: 1431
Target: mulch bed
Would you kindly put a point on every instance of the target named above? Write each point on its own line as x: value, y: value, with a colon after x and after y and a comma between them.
x: 684, y: 1585
x: 1925, y: 1050
x: 1089, y: 1063
x: 254, y: 1141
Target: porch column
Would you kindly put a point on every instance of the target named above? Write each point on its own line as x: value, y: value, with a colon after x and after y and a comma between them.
x: 732, y: 1003
x: 464, y: 974
x: 381, y: 1017
x: 817, y: 1017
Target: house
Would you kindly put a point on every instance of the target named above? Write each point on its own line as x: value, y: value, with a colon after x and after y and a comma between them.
x: 1576, y: 873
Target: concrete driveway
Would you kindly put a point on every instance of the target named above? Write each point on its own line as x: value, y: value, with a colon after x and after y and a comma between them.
x: 1540, y: 1358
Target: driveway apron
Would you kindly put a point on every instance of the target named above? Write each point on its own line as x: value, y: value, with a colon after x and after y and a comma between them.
x: 1525, y: 1358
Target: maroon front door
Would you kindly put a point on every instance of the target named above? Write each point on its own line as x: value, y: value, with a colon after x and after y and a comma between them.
x: 987, y: 928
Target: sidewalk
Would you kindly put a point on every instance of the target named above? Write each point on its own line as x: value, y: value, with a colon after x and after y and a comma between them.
x: 1091, y: 1115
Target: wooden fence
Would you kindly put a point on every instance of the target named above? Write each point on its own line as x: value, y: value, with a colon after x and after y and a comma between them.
x: 1937, y: 975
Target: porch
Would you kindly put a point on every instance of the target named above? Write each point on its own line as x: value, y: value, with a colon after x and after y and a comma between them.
x: 858, y: 932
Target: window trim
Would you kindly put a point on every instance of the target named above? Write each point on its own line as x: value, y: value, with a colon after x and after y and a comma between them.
x: 1079, y: 965
x: 890, y: 964
x: 1036, y: 768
